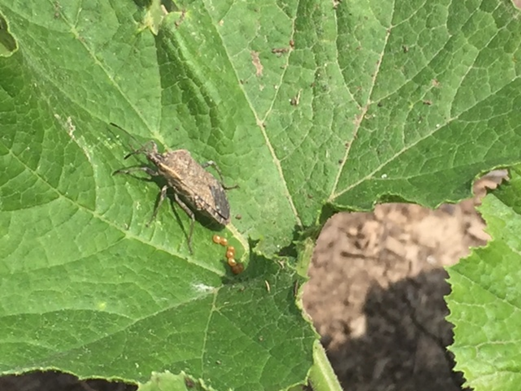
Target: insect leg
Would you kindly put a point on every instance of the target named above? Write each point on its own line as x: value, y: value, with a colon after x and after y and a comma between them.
x: 150, y: 146
x: 162, y: 197
x: 192, y: 217
x: 216, y: 168
x: 130, y: 170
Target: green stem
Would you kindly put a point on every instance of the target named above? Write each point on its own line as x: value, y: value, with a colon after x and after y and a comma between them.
x: 321, y: 376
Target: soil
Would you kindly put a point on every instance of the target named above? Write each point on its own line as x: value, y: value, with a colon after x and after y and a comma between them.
x: 376, y: 296
x: 377, y: 287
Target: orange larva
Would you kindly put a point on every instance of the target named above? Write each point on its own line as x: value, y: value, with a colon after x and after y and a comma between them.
x: 237, y: 269
x: 232, y: 262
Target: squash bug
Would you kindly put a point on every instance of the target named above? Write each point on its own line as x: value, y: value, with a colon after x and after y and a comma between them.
x: 192, y: 185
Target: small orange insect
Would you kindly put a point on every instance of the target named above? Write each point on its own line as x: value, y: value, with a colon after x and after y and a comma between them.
x: 235, y: 266
x: 218, y: 240
x: 232, y: 262
x: 238, y: 269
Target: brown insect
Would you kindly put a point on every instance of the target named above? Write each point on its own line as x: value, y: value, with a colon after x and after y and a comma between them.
x: 191, y: 183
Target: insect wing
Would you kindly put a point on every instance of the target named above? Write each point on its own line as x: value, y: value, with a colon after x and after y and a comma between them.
x: 196, y: 185
x: 222, y: 206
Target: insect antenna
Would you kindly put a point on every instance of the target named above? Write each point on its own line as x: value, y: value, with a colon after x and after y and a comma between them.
x: 127, y: 133
x: 134, y: 151
x: 145, y: 148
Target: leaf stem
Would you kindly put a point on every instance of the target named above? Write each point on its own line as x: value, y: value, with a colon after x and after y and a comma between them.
x: 321, y: 376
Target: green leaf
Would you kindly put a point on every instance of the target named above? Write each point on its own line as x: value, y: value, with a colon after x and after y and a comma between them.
x: 485, y: 301
x: 169, y: 382
x: 154, y: 16
x: 308, y: 106
x: 7, y: 41
x: 88, y: 287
